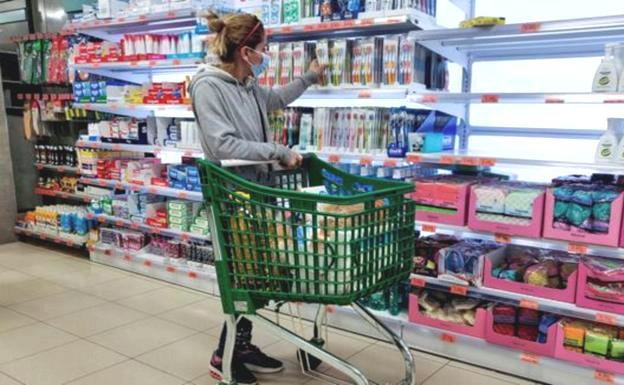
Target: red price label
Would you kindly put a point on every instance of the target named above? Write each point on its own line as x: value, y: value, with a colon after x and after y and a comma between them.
x: 553, y: 101
x: 487, y: 162
x: 86, y: 200
x: 127, y: 258
x: 502, y: 238
x: 489, y: 98
x: 607, y: 377
x: 61, y: 169
x: 529, y: 304
x: 69, y: 243
x: 390, y: 163
x: 530, y: 358
x: 119, y: 223
x: 90, y: 216
x: 577, y: 248
x: 39, y: 167
x: 469, y: 161
x: 143, y: 17
x: 134, y: 64
x: 108, y: 252
x: 101, y: 219
x: 172, y: 15
x: 366, y: 160
x: 176, y: 62
x: 152, y: 190
x: 134, y: 226
x: 418, y: 282
x: 447, y: 159
x: 147, y: 263
x: 458, y: 289
x: 192, y: 275
x: 348, y: 23
x: 449, y: 338
x: 156, y: 230
x: 429, y: 228
x: 42, y: 237
x: 310, y: 27
x: 414, y: 158
x: 171, y: 269
x: 367, y: 21
x: 365, y: 94
x: 287, y: 29
x: 116, y: 147
x: 185, y: 237
x: 605, y: 318
x: 429, y: 99
x: 182, y: 195
x: 334, y: 158
x: 151, y: 63
x: 530, y: 27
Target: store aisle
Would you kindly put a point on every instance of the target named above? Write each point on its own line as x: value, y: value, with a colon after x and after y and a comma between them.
x: 65, y: 320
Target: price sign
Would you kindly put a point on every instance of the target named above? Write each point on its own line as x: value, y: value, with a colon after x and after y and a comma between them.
x: 108, y: 252
x: 367, y: 21
x: 39, y: 167
x: 61, y: 169
x: 171, y: 269
x: 182, y: 195
x: 147, y: 263
x: 429, y: 99
x: 127, y: 258
x: 448, y: 338
x: 119, y: 223
x: 529, y: 358
x: 414, y: 158
x: 553, y: 101
x: 192, y: 275
x: 152, y: 190
x: 447, y: 159
x: 489, y: 98
x: 605, y: 318
x: 176, y: 62
x: 459, y: 290
x: 502, y: 238
x: 116, y: 147
x: 348, y: 23
x: 429, y: 228
x: 529, y: 304
x: 287, y: 29
x: 42, y: 237
x: 310, y: 27
x: 607, y: 377
x: 577, y: 248
x: 418, y: 282
x: 487, y: 162
x: 101, y: 219
x: 134, y: 64
x: 185, y: 237
x: 390, y: 163
x: 469, y: 161
x: 172, y: 15
x: 365, y: 94
x: 366, y: 160
x: 156, y: 230
x: 334, y: 158
x: 530, y: 27
x: 134, y: 226
x: 151, y: 63
x: 69, y: 243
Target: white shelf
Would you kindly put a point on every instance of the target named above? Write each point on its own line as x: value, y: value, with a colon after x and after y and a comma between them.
x: 120, y: 222
x: 437, y: 98
x: 56, y: 238
x: 141, y: 111
x: 155, y: 190
x: 59, y: 169
x: 546, y: 39
x: 159, y: 64
x: 192, y: 275
x: 144, y: 148
x: 64, y: 195
x: 516, y: 299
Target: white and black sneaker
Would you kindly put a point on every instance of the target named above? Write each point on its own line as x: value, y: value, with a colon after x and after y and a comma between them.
x: 256, y: 361
x: 242, y: 375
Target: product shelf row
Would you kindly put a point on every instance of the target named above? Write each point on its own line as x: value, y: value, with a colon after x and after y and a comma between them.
x: 120, y: 222
x: 140, y: 111
x: 156, y: 190
x: 48, y: 237
x: 148, y: 149
x: 63, y: 195
x: 59, y: 169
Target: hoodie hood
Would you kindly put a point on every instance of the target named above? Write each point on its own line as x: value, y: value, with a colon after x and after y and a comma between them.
x: 210, y: 71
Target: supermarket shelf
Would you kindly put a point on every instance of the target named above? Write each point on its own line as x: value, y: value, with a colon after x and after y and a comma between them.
x: 140, y: 71
x: 517, y: 299
x: 63, y: 195
x: 546, y: 39
x: 49, y: 237
x: 465, y: 232
x: 59, y: 169
x: 155, y: 190
x: 367, y: 23
x: 140, y: 111
x: 150, y: 149
x: 120, y: 222
x: 196, y: 276
x: 438, y: 98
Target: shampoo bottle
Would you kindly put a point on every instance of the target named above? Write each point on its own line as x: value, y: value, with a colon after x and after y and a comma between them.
x: 606, y: 78
x: 608, y: 143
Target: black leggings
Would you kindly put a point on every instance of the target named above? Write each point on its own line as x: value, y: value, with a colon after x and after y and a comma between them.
x: 243, y: 336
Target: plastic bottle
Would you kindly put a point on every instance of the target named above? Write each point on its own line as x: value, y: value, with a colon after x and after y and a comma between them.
x: 606, y: 78
x: 608, y: 144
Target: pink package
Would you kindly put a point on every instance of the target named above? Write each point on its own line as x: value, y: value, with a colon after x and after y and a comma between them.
x: 546, y: 349
x: 611, y: 238
x: 478, y: 330
x: 449, y: 195
x: 592, y: 361
x: 495, y: 257
x: 532, y: 227
x: 590, y: 277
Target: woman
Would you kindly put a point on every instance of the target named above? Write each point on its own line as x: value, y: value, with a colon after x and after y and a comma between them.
x: 231, y: 111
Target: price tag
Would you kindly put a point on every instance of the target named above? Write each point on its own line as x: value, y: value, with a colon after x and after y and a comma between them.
x: 529, y: 304
x: 172, y: 15
x: 151, y: 63
x: 429, y: 228
x: 529, y: 358
x: 116, y: 147
x: 90, y: 216
x: 613, y: 101
x: 348, y: 23
x: 143, y: 17
x: 310, y: 27
x: 188, y: 153
x: 366, y: 160
x: 390, y: 163
x: 367, y: 21
x: 449, y: 338
x: 418, y: 282
x: 182, y: 195
x: 192, y: 275
x: 121, y: 19
x: 171, y: 269
x: 127, y: 258
x: 469, y: 161
x: 147, y: 263
x: 605, y: 318
x: 156, y: 230
x: 86, y: 200
x: 135, y: 188
x: 429, y: 99
x: 42, y: 237
x: 152, y: 190
x: 185, y: 237
x: 39, y: 167
x: 335, y: 25
x: 553, y: 101
x: 487, y: 162
x: 331, y: 309
x: 530, y: 27
x: 287, y: 29
x: 414, y: 158
x: 134, y: 226
x: 61, y: 169
x: 502, y: 238
x: 447, y: 159
x: 577, y: 248
x: 69, y: 243
x: 119, y: 186
x: 108, y: 252
x: 176, y: 62
x: 365, y: 94
x: 120, y: 223
x: 458, y: 289
x: 489, y: 98
x: 334, y: 158
x: 134, y: 64
x: 607, y: 377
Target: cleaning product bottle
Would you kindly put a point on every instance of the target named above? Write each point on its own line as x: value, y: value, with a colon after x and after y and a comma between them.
x: 608, y: 143
x: 617, y: 127
x: 606, y: 78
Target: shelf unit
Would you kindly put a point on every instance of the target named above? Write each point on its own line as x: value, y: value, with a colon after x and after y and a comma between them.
x: 155, y: 190
x: 59, y: 169
x: 148, y: 149
x: 49, y: 237
x: 141, y: 111
x: 63, y: 195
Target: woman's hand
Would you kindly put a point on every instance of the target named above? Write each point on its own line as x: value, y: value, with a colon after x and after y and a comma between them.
x: 293, y: 161
x: 317, y: 68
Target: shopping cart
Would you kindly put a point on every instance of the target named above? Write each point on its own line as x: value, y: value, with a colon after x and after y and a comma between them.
x: 312, y: 235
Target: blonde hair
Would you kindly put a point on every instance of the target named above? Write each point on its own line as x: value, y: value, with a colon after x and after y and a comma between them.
x: 234, y: 31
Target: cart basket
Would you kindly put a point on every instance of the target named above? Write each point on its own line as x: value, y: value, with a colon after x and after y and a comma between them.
x: 342, y: 238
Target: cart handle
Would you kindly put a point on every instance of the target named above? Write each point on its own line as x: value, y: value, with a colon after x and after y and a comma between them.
x: 227, y: 163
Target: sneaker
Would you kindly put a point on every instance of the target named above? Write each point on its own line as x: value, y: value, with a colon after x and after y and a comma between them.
x: 242, y: 375
x: 256, y: 361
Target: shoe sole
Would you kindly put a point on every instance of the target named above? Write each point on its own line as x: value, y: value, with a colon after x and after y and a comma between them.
x: 262, y: 369
x: 218, y: 375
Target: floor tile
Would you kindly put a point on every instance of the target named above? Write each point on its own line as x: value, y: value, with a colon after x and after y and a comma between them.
x: 28, y: 290
x: 450, y: 374
x: 161, y: 300
x: 141, y: 336
x: 121, y: 288
x: 11, y: 320
x: 205, y: 380
x: 96, y: 319
x: 200, y: 316
x: 20, y: 260
x: 50, y: 267
x: 490, y: 373
x: 187, y: 358
x: 12, y: 277
x: 129, y: 372
x: 62, y: 364
x: 31, y: 339
x: 6, y: 380
x: 57, y: 305
x: 78, y: 279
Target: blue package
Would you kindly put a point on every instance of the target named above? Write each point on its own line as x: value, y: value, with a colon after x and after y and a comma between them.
x: 192, y: 171
x: 333, y: 183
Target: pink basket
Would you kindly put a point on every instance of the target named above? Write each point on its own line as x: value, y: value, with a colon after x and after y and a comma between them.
x: 457, y: 219
x: 585, y: 359
x: 533, y: 230
x: 612, y: 238
x: 590, y: 303
x: 494, y: 258
x: 415, y: 316
x: 545, y: 349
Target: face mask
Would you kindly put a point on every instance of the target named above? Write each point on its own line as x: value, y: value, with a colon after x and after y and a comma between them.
x: 258, y: 69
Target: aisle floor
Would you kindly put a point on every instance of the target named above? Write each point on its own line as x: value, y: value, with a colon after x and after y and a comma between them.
x: 65, y: 320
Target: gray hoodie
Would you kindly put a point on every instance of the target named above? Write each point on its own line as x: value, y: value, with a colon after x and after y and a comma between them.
x: 231, y: 115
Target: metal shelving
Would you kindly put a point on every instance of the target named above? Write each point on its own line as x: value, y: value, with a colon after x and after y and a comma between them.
x: 120, y: 222
x: 155, y: 190
x: 143, y: 148
x: 59, y: 169
x: 63, y: 195
x: 435, y: 98
x: 49, y: 237
x: 141, y: 111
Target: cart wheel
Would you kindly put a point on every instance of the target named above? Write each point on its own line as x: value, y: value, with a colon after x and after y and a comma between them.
x: 305, y: 358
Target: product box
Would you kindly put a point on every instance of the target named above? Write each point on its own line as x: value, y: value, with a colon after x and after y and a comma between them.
x: 584, y: 359
x: 478, y: 330
x: 199, y: 230
x: 497, y: 258
x: 185, y: 221
x: 182, y: 206
x: 575, y: 234
x: 441, y: 201
x: 589, y: 294
x: 544, y: 349
x: 506, y: 208
x: 184, y: 228
x: 440, y: 123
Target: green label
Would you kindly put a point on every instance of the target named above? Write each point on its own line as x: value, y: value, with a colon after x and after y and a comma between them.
x: 603, y: 81
x: 605, y: 152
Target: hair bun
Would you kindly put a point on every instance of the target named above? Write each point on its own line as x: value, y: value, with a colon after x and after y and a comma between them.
x: 215, y: 23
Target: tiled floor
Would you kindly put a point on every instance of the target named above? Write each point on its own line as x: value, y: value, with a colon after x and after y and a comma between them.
x: 65, y: 320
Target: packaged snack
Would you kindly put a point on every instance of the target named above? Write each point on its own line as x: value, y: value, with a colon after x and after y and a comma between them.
x: 504, y: 314
x: 616, y: 349
x: 596, y: 343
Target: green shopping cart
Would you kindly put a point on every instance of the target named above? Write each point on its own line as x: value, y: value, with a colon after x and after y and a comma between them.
x: 315, y: 235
